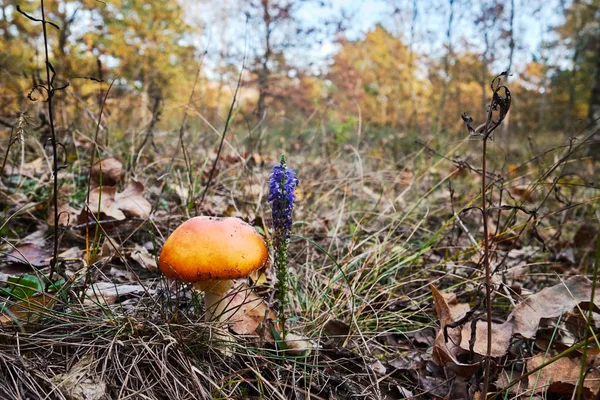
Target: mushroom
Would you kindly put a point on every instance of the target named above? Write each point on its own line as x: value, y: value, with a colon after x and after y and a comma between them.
x: 212, y: 252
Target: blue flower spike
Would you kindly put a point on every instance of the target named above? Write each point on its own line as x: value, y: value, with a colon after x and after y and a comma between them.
x: 282, y: 185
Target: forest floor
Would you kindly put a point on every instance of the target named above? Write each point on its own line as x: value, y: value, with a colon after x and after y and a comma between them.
x: 387, y: 284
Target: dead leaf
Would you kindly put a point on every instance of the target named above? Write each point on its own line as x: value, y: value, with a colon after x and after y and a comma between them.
x: 561, y: 376
x: 31, y: 169
x: 103, y: 199
x: 28, y: 309
x: 104, y: 253
x: 131, y: 201
x: 447, y: 352
x: 377, y: 367
x: 109, y: 170
x: 32, y: 250
x: 30, y: 254
x: 403, y: 179
x: 258, y: 277
x: 183, y: 192
x: 246, y: 310
x: 119, y: 206
x: 109, y: 293
x: 144, y: 258
x: 506, y: 376
x: 80, y: 382
x: 72, y: 253
x: 501, y: 336
x: 447, y: 307
x: 82, y: 142
x: 299, y: 346
x: 585, y: 237
x: 523, y: 192
x: 67, y: 215
x: 334, y: 327
x: 551, y: 302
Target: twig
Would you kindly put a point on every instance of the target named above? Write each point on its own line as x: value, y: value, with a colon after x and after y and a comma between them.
x: 486, y: 266
x: 502, y: 105
x: 468, y: 233
x: 53, y: 141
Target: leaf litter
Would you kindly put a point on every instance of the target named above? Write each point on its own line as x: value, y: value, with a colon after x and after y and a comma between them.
x: 455, y: 344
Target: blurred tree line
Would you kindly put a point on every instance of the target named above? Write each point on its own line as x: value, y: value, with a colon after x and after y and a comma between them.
x: 395, y: 78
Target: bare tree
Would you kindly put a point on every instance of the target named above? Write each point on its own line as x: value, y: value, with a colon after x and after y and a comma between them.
x: 446, y: 63
x: 510, y: 34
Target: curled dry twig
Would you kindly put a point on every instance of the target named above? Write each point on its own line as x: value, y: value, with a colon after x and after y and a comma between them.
x: 500, y: 105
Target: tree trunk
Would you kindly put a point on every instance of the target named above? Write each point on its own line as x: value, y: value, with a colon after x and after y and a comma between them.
x: 570, y: 117
x: 505, y: 129
x: 594, y: 104
x: 263, y: 73
x: 442, y: 106
x: 411, y: 65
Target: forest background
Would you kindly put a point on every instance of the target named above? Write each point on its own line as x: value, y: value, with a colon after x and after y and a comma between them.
x: 389, y: 71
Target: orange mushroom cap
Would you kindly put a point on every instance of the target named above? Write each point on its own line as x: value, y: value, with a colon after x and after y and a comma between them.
x: 207, y: 248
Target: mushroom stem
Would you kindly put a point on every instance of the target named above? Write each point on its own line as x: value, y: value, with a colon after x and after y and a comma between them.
x: 214, y: 299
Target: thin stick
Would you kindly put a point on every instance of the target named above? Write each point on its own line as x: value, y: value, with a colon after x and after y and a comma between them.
x: 502, y: 104
x: 50, y: 93
x: 488, y: 275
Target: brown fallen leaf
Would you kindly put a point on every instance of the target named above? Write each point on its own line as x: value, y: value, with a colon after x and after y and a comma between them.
x: 144, y: 258
x: 67, y: 215
x: 109, y: 170
x: 119, y: 206
x: 377, y: 367
x: 551, y: 302
x: 523, y: 192
x: 80, y: 382
x: 30, y: 254
x: 501, y: 336
x: 334, y: 327
x: 585, y: 237
x: 102, y: 256
x: 561, y: 376
x: 32, y: 250
x: 131, y: 201
x: 448, y: 352
x: 258, y: 277
x: 109, y: 293
x: 403, y: 179
x: 102, y: 199
x: 297, y: 345
x: 507, y: 376
x: 447, y: 307
x: 30, y: 169
x: 245, y: 310
x: 28, y: 309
